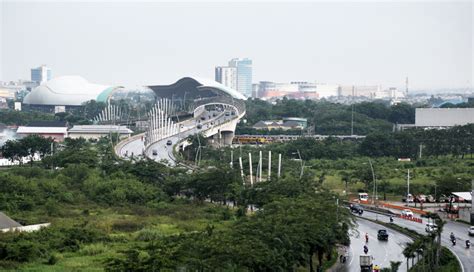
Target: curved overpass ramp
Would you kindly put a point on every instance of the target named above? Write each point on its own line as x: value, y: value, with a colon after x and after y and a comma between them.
x: 215, y: 115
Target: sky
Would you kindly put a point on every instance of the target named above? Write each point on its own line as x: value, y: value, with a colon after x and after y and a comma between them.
x: 142, y: 43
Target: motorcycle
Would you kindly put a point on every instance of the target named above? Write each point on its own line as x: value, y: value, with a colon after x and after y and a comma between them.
x: 366, y: 249
x: 391, y: 219
x: 468, y: 244
x: 453, y: 241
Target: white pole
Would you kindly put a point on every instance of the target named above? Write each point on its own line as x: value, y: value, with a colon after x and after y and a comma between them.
x: 269, y: 164
x: 241, y: 170
x: 408, y: 184
x: 260, y: 166
x: 231, y: 159
x: 279, y: 165
x: 250, y: 166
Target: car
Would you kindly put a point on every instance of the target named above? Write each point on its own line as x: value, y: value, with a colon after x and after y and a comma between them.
x: 471, y: 231
x: 227, y: 113
x: 407, y: 213
x: 408, y: 198
x: 382, y: 235
x: 213, y: 115
x: 357, y: 209
x: 169, y: 142
x: 430, y: 199
x: 431, y: 227
x: 203, y: 118
x: 420, y: 198
x: 154, y: 152
x: 443, y: 198
x: 199, y: 126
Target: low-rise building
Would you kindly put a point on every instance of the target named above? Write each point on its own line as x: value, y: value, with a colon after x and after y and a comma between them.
x: 285, y: 124
x: 98, y: 131
x: 433, y: 118
x: 54, y: 129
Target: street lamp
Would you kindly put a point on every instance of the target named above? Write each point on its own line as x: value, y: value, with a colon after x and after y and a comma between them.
x: 301, y: 162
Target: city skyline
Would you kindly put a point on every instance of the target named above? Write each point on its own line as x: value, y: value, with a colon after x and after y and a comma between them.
x: 347, y: 43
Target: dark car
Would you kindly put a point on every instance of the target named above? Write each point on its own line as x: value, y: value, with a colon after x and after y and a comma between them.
x: 357, y: 209
x: 199, y: 126
x: 382, y: 234
x: 169, y: 142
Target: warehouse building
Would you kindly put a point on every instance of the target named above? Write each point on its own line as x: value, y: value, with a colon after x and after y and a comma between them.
x: 98, y: 131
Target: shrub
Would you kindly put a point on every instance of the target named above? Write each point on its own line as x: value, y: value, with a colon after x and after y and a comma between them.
x: 148, y: 235
x: 93, y: 249
x: 127, y: 226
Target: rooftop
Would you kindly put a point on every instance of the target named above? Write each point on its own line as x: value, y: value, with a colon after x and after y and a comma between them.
x: 100, y: 129
x: 53, y: 123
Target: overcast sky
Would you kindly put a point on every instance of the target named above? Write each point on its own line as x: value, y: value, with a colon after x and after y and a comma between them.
x: 131, y: 43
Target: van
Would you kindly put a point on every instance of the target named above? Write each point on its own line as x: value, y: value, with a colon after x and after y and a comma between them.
x: 363, y: 197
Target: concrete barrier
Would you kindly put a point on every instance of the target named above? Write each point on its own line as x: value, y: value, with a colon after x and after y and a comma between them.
x: 398, y: 207
x: 410, y: 218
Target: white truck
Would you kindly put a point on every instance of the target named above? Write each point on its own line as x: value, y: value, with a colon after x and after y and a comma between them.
x: 366, y: 263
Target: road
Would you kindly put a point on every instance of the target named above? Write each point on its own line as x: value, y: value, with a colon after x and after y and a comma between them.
x: 163, y: 151
x: 466, y: 256
x: 382, y: 251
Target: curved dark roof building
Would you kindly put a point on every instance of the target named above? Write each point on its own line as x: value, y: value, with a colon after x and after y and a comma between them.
x: 194, y: 88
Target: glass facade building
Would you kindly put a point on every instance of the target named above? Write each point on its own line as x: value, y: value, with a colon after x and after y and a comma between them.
x: 41, y: 74
x: 244, y: 75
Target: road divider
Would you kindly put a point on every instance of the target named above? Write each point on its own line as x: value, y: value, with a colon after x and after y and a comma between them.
x: 410, y: 218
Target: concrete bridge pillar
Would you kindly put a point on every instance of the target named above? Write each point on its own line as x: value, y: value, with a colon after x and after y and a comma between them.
x: 227, y: 137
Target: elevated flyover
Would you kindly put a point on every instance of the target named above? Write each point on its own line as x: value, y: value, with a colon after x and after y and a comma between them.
x: 215, y: 111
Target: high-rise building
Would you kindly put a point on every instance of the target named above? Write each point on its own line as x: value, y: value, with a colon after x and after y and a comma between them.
x: 227, y: 76
x: 41, y: 74
x: 244, y: 75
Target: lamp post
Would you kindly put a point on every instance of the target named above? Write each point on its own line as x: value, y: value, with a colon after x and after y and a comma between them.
x: 301, y: 162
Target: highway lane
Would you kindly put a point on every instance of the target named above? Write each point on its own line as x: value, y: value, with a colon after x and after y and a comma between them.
x: 164, y: 152
x: 188, y: 127
x: 382, y: 251
x: 466, y: 256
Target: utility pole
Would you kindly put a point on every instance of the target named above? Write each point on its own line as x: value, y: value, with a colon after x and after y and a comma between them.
x: 260, y: 166
x: 232, y: 159
x: 374, y: 180
x: 269, y: 165
x: 250, y: 166
x: 421, y: 150
x: 352, y: 111
x: 241, y: 170
x: 352, y: 120
x: 408, y: 185
x: 279, y: 165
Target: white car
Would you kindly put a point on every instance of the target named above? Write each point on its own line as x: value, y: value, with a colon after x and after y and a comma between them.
x: 407, y: 213
x: 471, y: 231
x: 431, y: 227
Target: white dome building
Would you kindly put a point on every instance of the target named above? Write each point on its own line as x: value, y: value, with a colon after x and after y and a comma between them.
x: 68, y: 91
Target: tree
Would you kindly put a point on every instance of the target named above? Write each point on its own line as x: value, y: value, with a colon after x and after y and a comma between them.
x: 14, y: 150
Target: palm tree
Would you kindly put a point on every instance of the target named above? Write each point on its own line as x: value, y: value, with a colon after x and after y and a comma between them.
x: 408, y: 252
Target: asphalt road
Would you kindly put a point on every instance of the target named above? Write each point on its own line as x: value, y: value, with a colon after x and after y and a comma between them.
x: 466, y: 256
x: 165, y: 152
x: 382, y: 251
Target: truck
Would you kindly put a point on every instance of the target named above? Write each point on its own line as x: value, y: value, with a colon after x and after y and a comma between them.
x: 365, y: 263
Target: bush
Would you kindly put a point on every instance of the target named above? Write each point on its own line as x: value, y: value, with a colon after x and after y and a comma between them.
x: 127, y: 226
x: 21, y: 251
x: 93, y: 249
x: 148, y: 235
x: 53, y: 259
